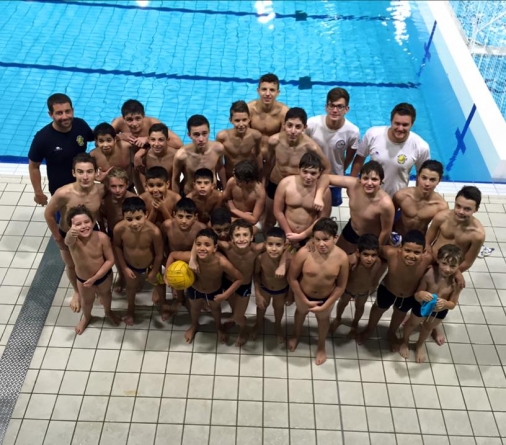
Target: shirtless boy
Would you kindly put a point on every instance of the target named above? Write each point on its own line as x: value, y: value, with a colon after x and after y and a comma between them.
x: 440, y: 281
x: 204, y: 194
x: 93, y: 258
x: 160, y: 201
x: 241, y: 142
x: 160, y: 153
x: 318, y: 280
x: 111, y: 209
x: 363, y: 278
x: 200, y: 153
x: 221, y: 220
x: 139, y: 250
x: 207, y: 287
x: 406, y: 267
x: 267, y: 114
x: 371, y: 209
x: 132, y: 129
x: 181, y: 231
x: 108, y: 152
x: 285, y: 151
x: 294, y: 201
x: 84, y: 191
x: 244, y: 193
x: 459, y: 227
x: 268, y: 285
x: 418, y: 205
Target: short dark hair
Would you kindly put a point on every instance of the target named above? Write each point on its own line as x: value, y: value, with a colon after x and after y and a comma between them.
x: 132, y: 106
x: 159, y: 127
x: 196, y: 121
x: 133, y: 204
x: 79, y: 210
x: 239, y: 107
x: 247, y: 171
x: 368, y: 241
x: 297, y: 113
x: 82, y: 158
x: 415, y: 237
x: 186, y: 205
x: 433, y: 166
x: 203, y: 173
x: 221, y: 215
x: 472, y: 193
x: 104, y: 129
x: 310, y: 160
x: 270, y: 78
x: 326, y: 225
x: 338, y: 93
x: 157, y: 172
x: 404, y: 109
x: 373, y: 167
x: 57, y: 98
x: 276, y: 232
x: 208, y: 233
x: 240, y: 223
x: 450, y: 253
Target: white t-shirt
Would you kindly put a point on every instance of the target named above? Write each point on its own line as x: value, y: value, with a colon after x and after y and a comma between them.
x: 396, y: 159
x: 334, y: 143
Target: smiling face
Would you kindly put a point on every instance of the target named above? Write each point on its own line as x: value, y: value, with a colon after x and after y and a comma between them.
x: 464, y: 209
x: 105, y: 143
x: 135, y: 220
x: 62, y: 115
x: 400, y: 128
x: 240, y: 121
x: 370, y: 182
x: 134, y: 122
x: 157, y: 187
x: 447, y: 268
x: 205, y: 247
x: 85, y: 174
x: 158, y: 142
x: 83, y: 224
x: 242, y: 237
x: 411, y: 253
x: 427, y: 180
x: 309, y: 175
x: 268, y: 91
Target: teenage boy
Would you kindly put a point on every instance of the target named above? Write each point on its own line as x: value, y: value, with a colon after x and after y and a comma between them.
x: 200, y: 153
x: 371, y: 209
x: 84, y: 191
x: 93, y: 258
x: 204, y: 194
x: 396, y: 148
x: 418, y: 205
x: 221, y: 220
x: 267, y: 114
x: 294, y: 201
x: 318, y: 279
x: 241, y: 142
x: 337, y: 136
x: 57, y: 143
x: 138, y: 245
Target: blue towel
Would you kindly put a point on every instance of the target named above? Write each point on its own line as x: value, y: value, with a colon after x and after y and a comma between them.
x: 428, y: 306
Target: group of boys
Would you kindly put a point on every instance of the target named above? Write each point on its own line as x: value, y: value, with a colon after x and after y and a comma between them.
x: 141, y: 200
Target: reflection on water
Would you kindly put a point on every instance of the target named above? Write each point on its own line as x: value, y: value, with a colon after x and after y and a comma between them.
x: 265, y: 12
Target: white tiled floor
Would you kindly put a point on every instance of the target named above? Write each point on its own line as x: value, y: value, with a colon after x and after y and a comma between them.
x: 145, y: 385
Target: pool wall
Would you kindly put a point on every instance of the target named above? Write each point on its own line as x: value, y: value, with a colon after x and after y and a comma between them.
x: 487, y: 125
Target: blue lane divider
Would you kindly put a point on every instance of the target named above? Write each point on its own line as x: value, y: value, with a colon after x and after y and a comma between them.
x: 426, y: 47
x: 460, y: 135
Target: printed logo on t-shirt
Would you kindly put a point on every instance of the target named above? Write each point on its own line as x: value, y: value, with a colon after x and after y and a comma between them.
x: 401, y: 159
x: 340, y: 144
x: 80, y: 140
x: 58, y: 149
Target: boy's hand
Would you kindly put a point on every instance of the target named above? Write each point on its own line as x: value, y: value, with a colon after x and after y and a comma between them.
x: 425, y: 296
x: 260, y: 300
x: 129, y: 273
x: 60, y: 241
x: 220, y: 297
x: 141, y: 141
x: 318, y: 204
x: 280, y: 272
x: 352, y: 260
x: 289, y: 299
x: 440, y: 305
x: 310, y: 246
x: 151, y: 278
x: 138, y: 161
x: 459, y: 280
x: 156, y: 203
x: 102, y: 174
x: 131, y: 139
x: 90, y: 282
x: 317, y: 308
x: 73, y: 232
x: 194, y: 265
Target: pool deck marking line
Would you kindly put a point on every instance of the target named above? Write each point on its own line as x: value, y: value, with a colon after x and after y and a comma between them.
x: 25, y: 335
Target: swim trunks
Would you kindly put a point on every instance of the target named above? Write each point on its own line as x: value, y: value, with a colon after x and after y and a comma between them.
x: 416, y: 311
x: 336, y: 193
x: 194, y: 294
x: 385, y: 299
x: 273, y: 293
x: 349, y: 234
x: 99, y: 281
x: 359, y: 295
x: 321, y: 301
x: 243, y: 291
x: 271, y: 189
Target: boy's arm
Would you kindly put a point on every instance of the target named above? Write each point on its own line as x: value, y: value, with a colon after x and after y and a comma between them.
x: 293, y: 277
x: 387, y: 251
x: 387, y: 222
x: 118, y: 249
x: 433, y: 231
x: 341, y: 281
x: 178, y: 255
x: 351, y: 150
x: 258, y: 153
x: 271, y: 156
x: 56, y: 203
x: 472, y: 253
x: 71, y: 237
x: 220, y: 165
x: 421, y: 293
x: 316, y: 149
x: 108, y: 263
x: 174, y: 140
x: 325, y: 213
x: 227, y: 192
x: 452, y: 301
x: 259, y: 298
x: 231, y: 271
x: 279, y: 207
x: 176, y: 172
x: 157, y: 262
x: 139, y: 157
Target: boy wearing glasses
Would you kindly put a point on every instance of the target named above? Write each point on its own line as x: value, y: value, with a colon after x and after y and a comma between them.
x: 337, y: 136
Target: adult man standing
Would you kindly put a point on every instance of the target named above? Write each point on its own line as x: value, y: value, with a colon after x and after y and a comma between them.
x: 337, y: 137
x: 58, y: 143
x: 396, y: 148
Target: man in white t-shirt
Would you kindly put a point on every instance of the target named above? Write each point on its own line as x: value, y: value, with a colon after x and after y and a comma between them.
x: 337, y: 137
x: 396, y: 148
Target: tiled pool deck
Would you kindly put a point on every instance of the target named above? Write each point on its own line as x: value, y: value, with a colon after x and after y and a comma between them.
x: 144, y: 385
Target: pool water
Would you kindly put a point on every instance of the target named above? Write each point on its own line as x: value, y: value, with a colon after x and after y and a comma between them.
x: 197, y: 57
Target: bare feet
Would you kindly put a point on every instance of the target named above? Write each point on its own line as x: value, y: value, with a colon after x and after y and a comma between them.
x: 363, y: 336
x: 241, y: 340
x: 438, y: 336
x: 228, y: 325
x: 113, y: 318
x: 420, y: 354
x: 222, y: 337
x: 75, y: 303
x: 280, y: 335
x: 189, y: 335
x: 253, y: 334
x: 129, y: 319
x: 119, y: 284
x: 404, y: 350
x: 81, y: 326
x: 393, y: 341
x: 167, y: 311
x: 292, y: 344
x: 334, y: 325
x: 352, y: 333
x: 321, y: 356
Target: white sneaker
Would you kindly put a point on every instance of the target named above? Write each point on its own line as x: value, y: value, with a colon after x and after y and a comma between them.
x: 485, y: 251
